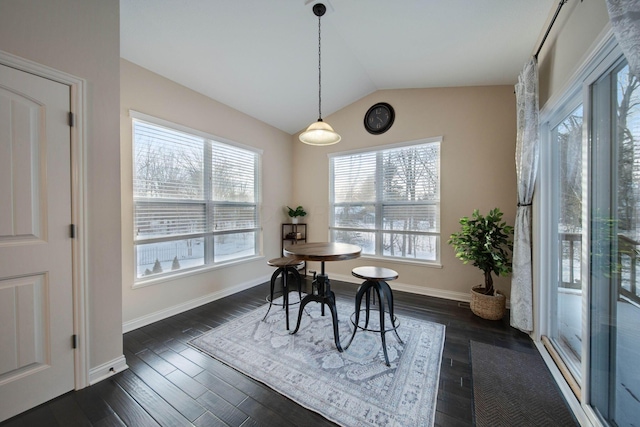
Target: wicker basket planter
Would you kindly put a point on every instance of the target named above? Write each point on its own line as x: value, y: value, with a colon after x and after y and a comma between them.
x: 490, y: 307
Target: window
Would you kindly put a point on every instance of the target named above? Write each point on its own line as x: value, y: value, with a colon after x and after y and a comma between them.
x: 387, y: 201
x: 196, y: 199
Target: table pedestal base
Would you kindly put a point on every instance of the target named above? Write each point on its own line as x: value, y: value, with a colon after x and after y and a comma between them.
x: 324, y: 296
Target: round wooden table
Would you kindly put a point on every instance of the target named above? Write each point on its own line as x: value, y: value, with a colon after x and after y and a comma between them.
x: 322, y: 251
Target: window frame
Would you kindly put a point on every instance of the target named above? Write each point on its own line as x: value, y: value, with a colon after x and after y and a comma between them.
x: 207, y: 201
x: 378, y: 230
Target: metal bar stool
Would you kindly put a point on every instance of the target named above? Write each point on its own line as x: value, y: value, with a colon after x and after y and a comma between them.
x: 285, y: 266
x: 375, y: 280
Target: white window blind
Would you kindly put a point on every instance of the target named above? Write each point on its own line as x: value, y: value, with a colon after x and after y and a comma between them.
x: 388, y: 201
x: 196, y: 200
x: 168, y: 164
x: 234, y: 171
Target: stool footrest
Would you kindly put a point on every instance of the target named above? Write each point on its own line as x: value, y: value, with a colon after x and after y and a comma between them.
x: 276, y: 294
x: 395, y: 323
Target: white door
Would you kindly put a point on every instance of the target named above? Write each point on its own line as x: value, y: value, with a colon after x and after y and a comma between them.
x: 36, y: 307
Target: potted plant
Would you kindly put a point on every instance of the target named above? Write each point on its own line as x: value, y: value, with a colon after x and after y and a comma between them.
x: 295, y: 213
x: 486, y: 242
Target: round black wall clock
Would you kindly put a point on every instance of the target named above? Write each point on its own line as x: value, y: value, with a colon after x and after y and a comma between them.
x: 379, y: 118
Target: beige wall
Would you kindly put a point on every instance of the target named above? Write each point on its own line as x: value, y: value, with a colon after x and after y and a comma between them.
x: 82, y: 38
x: 149, y: 93
x: 578, y: 26
x: 477, y: 170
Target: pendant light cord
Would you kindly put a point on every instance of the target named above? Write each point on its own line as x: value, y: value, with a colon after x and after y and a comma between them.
x: 319, y: 133
x: 319, y: 72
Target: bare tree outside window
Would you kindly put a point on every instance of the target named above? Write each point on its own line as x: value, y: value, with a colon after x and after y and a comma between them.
x: 627, y: 129
x: 387, y: 201
x: 195, y: 200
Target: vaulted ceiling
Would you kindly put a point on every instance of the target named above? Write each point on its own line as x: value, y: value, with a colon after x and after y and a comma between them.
x: 261, y: 56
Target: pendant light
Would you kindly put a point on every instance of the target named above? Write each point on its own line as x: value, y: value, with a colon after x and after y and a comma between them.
x: 319, y: 133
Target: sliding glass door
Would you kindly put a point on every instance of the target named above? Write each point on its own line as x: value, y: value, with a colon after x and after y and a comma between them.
x: 566, y: 294
x: 590, y: 238
x: 615, y: 247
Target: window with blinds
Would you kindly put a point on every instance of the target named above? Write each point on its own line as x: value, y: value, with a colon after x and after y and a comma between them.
x: 387, y: 201
x: 196, y: 199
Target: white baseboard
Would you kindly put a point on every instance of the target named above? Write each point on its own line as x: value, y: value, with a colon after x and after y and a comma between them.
x: 107, y: 369
x: 185, y: 306
x: 197, y: 302
x: 413, y: 289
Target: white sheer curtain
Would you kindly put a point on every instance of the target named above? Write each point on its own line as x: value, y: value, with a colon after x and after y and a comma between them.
x: 526, y: 170
x: 625, y: 21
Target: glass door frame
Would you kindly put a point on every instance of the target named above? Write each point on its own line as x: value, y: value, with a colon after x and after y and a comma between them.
x: 578, y: 90
x: 550, y: 171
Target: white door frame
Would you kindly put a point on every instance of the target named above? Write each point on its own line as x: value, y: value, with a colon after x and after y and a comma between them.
x: 77, y: 88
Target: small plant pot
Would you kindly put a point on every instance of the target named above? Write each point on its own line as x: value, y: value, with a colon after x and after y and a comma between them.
x: 294, y: 220
x: 490, y: 307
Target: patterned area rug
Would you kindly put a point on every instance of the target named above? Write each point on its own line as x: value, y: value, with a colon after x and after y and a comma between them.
x: 353, y: 388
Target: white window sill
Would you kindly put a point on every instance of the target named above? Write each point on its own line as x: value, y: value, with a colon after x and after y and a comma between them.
x: 142, y: 283
x: 405, y: 261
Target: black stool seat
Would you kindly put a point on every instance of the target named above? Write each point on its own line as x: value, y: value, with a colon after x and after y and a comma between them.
x: 375, y: 279
x: 285, y: 262
x: 374, y: 273
x: 285, y: 266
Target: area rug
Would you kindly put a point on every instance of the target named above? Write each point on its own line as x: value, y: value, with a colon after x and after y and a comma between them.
x: 513, y: 388
x: 352, y: 388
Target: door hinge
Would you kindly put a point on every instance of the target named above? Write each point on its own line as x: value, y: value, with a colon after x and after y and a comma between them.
x: 72, y: 231
x: 74, y: 341
x: 71, y: 119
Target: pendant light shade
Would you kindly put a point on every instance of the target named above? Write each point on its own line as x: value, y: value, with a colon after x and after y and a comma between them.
x: 319, y: 133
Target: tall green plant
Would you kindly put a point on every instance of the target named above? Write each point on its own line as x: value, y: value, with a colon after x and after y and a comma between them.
x: 485, y: 241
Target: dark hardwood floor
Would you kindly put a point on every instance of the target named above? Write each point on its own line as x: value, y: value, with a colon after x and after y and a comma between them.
x: 169, y: 383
